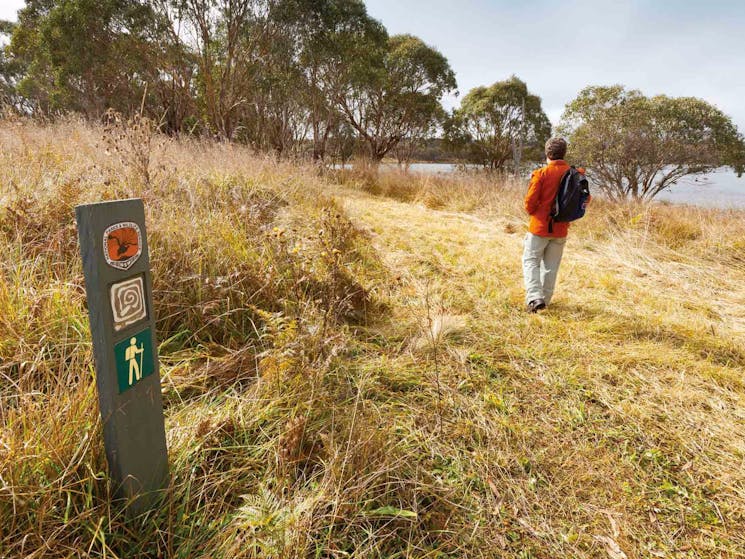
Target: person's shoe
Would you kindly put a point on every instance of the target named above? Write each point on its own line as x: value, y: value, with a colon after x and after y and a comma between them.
x: 536, y: 305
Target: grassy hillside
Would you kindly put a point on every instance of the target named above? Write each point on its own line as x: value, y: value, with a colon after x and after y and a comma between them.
x: 348, y: 370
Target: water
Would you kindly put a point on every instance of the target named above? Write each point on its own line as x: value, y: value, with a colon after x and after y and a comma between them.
x: 720, y: 189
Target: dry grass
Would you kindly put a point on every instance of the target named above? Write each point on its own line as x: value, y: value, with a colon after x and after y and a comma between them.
x: 611, y: 422
x: 349, y: 375
x: 456, y: 192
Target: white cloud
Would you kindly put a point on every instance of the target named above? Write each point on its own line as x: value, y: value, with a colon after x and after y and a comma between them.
x: 9, y: 9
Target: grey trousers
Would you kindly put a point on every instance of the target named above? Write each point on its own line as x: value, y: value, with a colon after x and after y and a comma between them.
x: 541, y: 260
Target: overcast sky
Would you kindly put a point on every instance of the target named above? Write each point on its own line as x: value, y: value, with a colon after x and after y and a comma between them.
x: 676, y: 47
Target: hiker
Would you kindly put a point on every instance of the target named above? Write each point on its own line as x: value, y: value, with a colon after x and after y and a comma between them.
x: 544, y: 243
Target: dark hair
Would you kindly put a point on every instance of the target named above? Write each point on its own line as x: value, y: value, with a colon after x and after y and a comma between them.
x: 556, y: 148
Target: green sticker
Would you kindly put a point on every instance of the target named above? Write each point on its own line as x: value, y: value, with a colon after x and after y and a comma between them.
x: 134, y: 359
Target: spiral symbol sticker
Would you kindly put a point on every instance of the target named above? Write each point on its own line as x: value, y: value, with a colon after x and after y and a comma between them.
x: 128, y: 302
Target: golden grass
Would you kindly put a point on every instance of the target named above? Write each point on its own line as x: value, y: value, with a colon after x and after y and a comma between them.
x: 348, y: 370
x: 628, y: 392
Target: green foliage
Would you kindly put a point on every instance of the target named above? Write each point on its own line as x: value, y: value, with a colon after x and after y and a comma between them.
x: 284, y: 75
x: 84, y: 55
x: 337, y: 39
x: 636, y: 146
x: 499, y: 123
x: 10, y: 70
x: 398, y: 95
x: 336, y: 42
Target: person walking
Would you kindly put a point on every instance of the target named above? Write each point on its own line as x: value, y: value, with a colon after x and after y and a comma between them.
x: 544, y: 243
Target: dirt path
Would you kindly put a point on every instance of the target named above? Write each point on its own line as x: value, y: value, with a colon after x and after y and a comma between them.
x: 479, y: 260
x: 472, y: 261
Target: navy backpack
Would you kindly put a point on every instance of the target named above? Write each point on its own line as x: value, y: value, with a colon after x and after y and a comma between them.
x: 571, y: 198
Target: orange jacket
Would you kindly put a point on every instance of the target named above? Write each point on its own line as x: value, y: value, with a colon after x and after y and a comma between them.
x: 544, y: 184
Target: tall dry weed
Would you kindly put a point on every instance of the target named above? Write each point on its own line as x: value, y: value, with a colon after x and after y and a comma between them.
x: 130, y: 140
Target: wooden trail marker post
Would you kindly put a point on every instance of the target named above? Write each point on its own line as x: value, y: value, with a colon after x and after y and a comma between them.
x: 116, y: 264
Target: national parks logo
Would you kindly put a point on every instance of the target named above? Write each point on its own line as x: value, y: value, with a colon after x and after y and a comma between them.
x: 122, y: 244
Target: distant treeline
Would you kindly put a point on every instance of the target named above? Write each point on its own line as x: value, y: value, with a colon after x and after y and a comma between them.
x: 292, y: 76
x: 322, y: 79
x: 319, y: 78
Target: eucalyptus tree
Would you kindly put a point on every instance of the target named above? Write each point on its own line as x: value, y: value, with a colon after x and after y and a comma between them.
x: 11, y: 71
x: 177, y: 66
x: 397, y: 93
x: 499, y: 123
x: 218, y: 31
x: 636, y: 146
x: 336, y: 42
x: 276, y: 117
x: 84, y: 55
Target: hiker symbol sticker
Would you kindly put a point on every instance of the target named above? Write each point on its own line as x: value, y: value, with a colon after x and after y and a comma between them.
x: 122, y: 244
x: 134, y: 359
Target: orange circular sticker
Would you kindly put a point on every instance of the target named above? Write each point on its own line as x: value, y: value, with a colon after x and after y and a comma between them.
x: 122, y: 244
